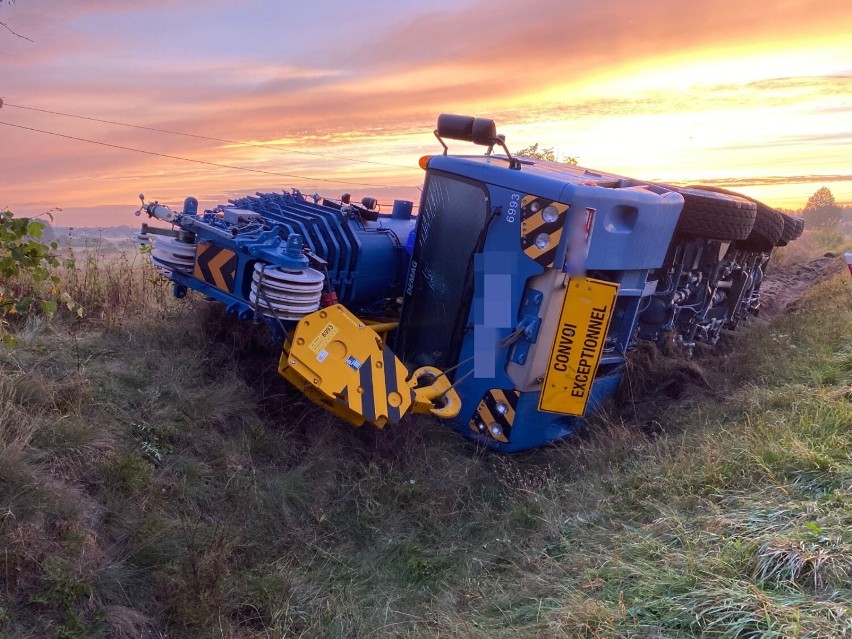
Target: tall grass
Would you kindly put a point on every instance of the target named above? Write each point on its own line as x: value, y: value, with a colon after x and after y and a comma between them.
x: 113, y: 286
x: 157, y: 478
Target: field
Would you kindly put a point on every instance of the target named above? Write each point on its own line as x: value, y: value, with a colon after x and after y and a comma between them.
x: 158, y: 479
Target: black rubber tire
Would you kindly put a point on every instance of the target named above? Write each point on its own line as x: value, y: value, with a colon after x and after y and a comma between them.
x: 718, y: 216
x: 800, y: 227
x: 789, y: 231
x: 793, y: 227
x: 768, y: 226
x: 768, y: 223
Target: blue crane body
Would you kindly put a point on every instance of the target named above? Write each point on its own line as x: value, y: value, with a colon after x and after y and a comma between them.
x: 505, y: 307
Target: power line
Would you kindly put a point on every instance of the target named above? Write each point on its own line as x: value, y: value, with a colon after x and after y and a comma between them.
x: 211, y: 139
x: 13, y: 32
x: 176, y: 157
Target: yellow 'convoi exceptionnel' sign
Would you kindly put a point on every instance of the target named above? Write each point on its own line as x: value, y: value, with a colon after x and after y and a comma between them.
x: 580, y: 338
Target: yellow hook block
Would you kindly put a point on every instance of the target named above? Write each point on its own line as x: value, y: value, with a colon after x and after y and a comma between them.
x: 342, y: 364
x: 434, y: 394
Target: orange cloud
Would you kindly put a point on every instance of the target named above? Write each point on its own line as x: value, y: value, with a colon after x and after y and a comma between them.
x: 706, y: 89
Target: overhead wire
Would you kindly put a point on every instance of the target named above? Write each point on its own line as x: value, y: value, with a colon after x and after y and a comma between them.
x: 196, y: 161
x: 209, y: 138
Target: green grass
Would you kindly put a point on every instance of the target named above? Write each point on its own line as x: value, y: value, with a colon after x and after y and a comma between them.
x: 157, y: 478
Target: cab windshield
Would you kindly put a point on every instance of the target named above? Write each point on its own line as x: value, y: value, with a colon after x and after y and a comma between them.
x: 453, y: 213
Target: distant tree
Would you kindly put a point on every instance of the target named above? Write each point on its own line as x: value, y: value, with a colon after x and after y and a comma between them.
x: 821, y: 199
x: 534, y: 152
x: 821, y: 210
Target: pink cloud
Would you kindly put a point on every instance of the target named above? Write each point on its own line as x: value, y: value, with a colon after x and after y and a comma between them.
x: 342, y: 93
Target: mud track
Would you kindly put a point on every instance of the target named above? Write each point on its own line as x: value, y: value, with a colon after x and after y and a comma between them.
x: 783, y: 288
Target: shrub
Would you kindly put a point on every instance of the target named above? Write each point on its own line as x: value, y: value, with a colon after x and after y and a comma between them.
x: 26, y: 267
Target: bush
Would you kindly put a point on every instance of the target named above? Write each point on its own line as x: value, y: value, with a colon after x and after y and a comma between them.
x: 27, y: 281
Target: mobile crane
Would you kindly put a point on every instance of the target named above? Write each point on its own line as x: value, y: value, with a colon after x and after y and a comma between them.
x: 505, y: 307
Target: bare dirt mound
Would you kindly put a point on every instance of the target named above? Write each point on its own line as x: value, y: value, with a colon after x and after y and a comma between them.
x: 783, y: 288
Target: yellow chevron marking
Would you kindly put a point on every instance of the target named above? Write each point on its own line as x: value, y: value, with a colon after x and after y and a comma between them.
x: 402, y: 389
x: 380, y: 395
x: 500, y: 396
x: 317, y: 397
x: 488, y: 419
x: 200, y: 248
x: 484, y: 414
x: 534, y: 221
x: 353, y: 398
x: 530, y: 224
x: 216, y: 264
x: 534, y: 252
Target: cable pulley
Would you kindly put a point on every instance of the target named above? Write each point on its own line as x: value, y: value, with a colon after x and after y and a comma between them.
x: 287, y: 295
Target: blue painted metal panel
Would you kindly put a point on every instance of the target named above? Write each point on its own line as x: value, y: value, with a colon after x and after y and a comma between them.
x: 630, y: 230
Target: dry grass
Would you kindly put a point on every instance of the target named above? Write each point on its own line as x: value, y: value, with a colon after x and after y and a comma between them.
x: 158, y: 479
x: 811, y: 244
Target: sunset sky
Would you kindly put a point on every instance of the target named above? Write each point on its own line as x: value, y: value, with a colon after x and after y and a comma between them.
x: 756, y: 96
